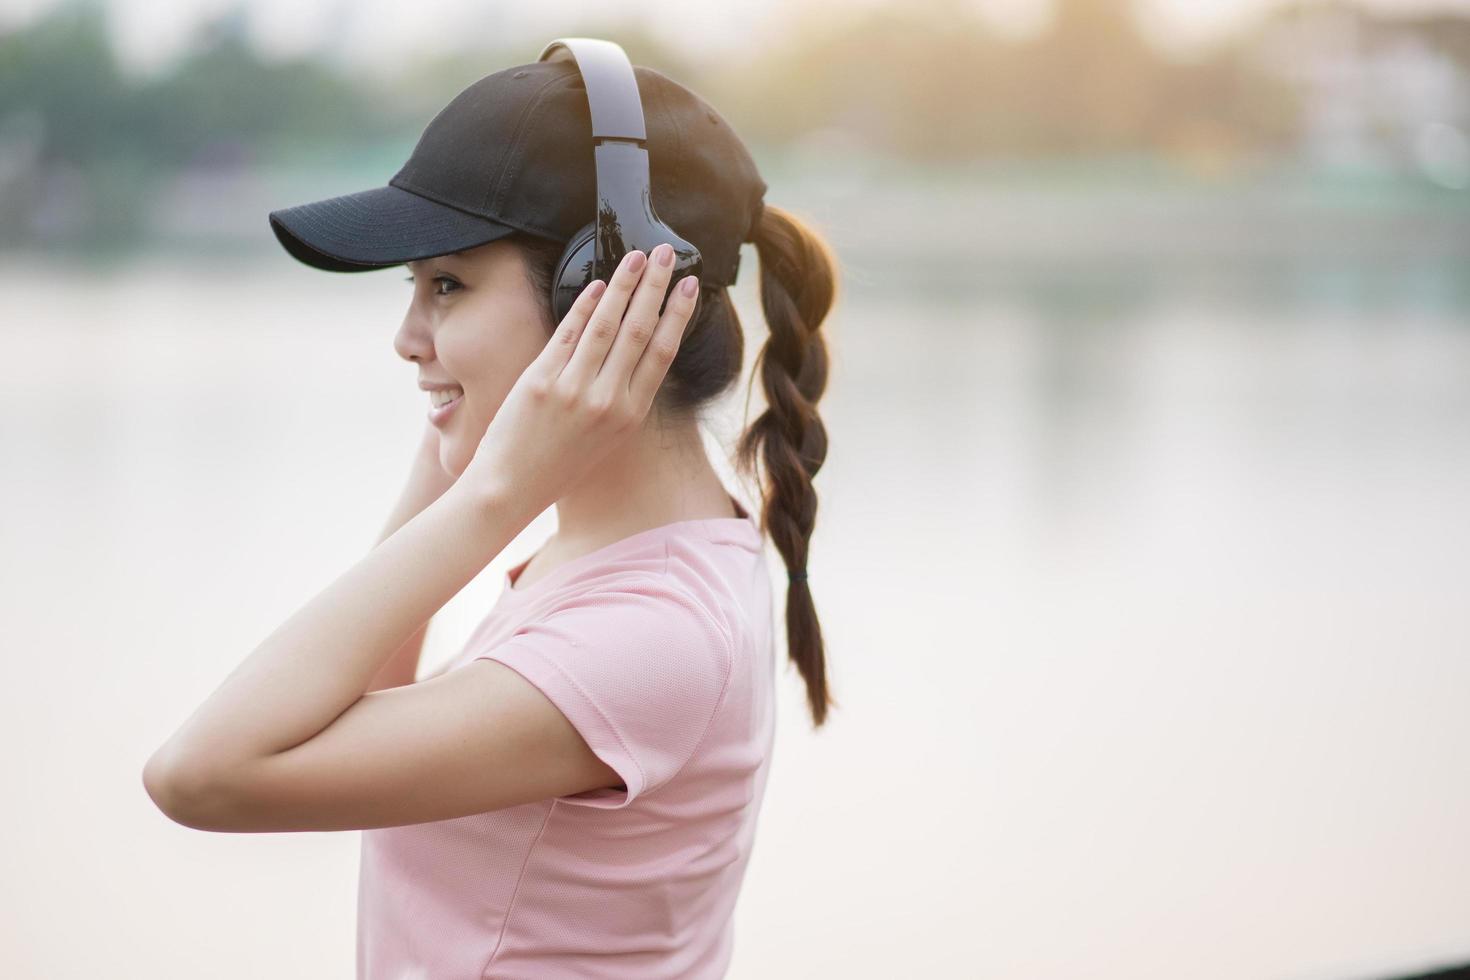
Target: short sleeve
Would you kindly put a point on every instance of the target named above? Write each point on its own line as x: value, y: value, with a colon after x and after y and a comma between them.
x: 639, y: 668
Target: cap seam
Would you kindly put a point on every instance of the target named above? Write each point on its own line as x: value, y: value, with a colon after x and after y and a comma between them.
x: 663, y: 97
x: 495, y: 198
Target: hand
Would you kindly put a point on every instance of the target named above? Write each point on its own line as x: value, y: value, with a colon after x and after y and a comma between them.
x: 589, y: 389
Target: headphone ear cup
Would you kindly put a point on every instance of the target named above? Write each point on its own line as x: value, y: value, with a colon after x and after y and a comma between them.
x: 573, y: 272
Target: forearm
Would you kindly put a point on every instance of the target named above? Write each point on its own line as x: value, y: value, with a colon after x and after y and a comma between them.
x: 426, y: 483
x: 321, y: 660
x: 402, y: 665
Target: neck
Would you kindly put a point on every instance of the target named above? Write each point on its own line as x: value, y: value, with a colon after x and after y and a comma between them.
x: 662, y: 474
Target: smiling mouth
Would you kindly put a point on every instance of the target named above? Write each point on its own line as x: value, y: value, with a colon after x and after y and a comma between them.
x: 441, y: 398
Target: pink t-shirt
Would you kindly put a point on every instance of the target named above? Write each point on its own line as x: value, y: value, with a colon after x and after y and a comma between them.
x: 659, y: 648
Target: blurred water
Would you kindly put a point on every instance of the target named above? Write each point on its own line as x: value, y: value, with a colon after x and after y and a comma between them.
x: 1143, y: 589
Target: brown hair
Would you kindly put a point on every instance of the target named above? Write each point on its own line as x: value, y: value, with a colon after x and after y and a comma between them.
x: 798, y: 273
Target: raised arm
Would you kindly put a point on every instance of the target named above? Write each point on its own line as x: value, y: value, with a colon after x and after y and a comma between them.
x: 426, y: 483
x: 293, y: 740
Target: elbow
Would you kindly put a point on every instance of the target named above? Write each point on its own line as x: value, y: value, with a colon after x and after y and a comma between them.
x: 188, y: 796
x: 168, y: 787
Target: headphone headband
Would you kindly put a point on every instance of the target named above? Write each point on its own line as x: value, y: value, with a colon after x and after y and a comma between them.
x: 624, y: 218
x: 612, y: 91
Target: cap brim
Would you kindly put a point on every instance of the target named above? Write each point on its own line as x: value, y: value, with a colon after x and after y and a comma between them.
x: 378, y: 228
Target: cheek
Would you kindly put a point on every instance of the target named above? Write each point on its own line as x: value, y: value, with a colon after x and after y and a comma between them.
x: 469, y: 358
x: 487, y: 362
x: 465, y: 353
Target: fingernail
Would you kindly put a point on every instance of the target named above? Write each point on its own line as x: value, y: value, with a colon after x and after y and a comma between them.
x: 689, y: 285
x: 665, y: 253
x: 634, y: 261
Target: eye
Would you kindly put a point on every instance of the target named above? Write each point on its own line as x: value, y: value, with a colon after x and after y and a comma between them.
x: 440, y: 278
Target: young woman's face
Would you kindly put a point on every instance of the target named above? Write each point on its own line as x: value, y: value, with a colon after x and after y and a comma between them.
x: 473, y: 325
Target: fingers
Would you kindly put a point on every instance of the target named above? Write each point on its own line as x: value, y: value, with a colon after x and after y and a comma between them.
x: 639, y: 321
x: 558, y: 351
x: 617, y: 346
x: 603, y: 325
x: 659, y: 353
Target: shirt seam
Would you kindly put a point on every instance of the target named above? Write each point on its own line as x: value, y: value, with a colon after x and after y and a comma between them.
x: 704, y: 611
x: 516, y: 893
x: 728, y: 646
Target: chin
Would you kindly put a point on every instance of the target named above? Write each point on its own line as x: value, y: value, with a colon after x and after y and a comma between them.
x: 455, y: 453
x: 450, y: 457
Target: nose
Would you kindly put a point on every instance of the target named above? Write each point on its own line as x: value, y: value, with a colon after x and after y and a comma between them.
x: 414, y: 340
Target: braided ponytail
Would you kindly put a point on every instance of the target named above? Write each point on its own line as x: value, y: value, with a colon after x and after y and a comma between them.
x: 798, y: 272
x: 796, y: 287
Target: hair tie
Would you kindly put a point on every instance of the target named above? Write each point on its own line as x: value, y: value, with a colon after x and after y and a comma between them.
x: 798, y: 576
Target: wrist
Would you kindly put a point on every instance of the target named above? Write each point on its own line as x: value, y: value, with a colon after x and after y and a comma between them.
x: 495, y: 503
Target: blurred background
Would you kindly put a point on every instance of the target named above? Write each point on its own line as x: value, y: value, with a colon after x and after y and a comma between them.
x: 1143, y: 542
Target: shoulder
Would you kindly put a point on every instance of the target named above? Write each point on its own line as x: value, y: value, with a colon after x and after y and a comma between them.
x: 630, y: 619
x: 643, y: 597
x: 638, y: 666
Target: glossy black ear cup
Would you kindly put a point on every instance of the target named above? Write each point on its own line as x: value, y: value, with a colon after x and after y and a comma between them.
x: 573, y: 271
x: 577, y: 265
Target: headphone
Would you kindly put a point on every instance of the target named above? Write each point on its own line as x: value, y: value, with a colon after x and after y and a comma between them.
x: 625, y: 217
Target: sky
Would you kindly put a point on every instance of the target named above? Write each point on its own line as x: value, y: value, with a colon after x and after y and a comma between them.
x: 151, y: 33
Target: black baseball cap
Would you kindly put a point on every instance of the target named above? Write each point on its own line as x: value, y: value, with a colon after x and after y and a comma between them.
x: 513, y: 151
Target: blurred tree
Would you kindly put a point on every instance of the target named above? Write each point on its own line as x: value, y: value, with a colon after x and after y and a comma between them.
x: 922, y: 81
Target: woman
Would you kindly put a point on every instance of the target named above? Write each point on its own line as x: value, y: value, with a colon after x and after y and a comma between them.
x: 576, y: 793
